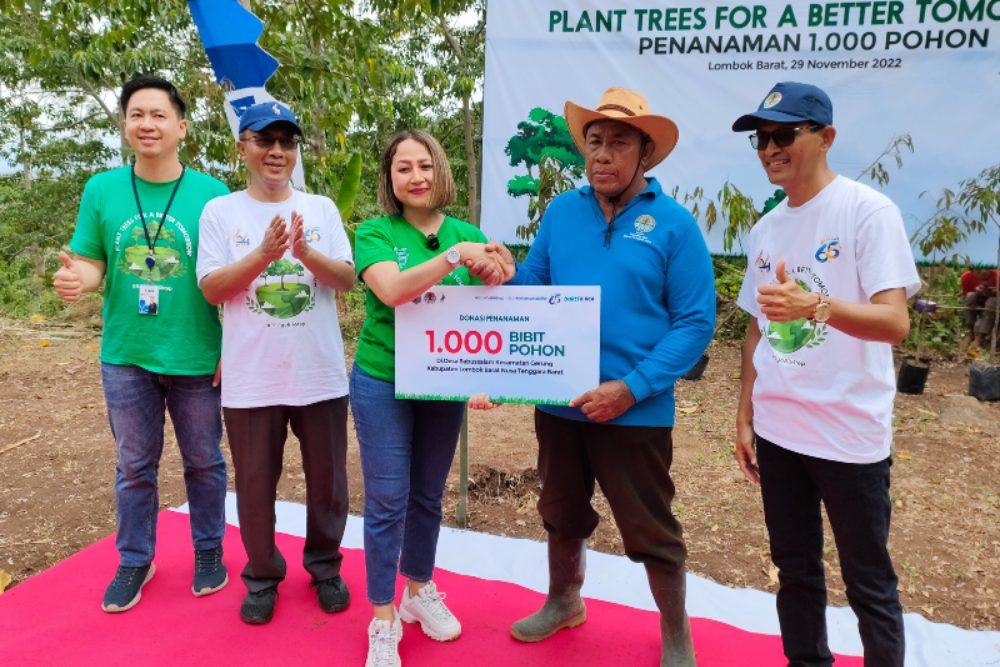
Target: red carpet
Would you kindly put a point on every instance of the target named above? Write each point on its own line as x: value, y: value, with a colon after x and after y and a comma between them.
x: 55, y: 618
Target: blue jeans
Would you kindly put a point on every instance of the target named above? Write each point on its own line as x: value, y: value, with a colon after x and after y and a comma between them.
x: 406, y: 452
x: 137, y: 400
x: 856, y: 497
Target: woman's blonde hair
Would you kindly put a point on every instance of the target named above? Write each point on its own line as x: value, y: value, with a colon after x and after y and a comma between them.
x: 443, y: 187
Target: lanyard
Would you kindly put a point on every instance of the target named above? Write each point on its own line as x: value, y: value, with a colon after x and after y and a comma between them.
x: 151, y: 244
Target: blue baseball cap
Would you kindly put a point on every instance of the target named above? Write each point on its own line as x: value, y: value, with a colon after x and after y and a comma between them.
x: 789, y: 102
x: 263, y: 114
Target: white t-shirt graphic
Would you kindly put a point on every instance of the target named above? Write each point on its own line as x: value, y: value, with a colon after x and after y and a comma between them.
x: 819, y: 391
x: 281, y: 340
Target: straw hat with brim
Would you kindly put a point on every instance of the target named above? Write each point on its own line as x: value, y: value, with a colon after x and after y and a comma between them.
x: 629, y: 107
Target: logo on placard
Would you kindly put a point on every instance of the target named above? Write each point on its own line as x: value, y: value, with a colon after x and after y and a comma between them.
x: 555, y: 298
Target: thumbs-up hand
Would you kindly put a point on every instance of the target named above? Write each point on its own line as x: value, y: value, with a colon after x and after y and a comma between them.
x: 785, y: 301
x: 780, y: 274
x: 67, y: 281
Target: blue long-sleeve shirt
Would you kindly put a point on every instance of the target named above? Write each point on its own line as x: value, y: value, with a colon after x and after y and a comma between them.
x: 657, y: 291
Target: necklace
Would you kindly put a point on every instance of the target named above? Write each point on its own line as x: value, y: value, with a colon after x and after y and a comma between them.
x: 151, y: 243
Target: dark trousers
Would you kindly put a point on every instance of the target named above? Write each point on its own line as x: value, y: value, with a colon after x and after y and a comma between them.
x: 257, y: 441
x: 856, y: 497
x: 632, y: 465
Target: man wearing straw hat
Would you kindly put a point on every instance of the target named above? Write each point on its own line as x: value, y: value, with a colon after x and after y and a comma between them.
x: 657, y: 313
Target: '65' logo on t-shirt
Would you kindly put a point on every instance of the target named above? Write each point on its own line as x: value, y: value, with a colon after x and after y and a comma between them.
x: 828, y: 251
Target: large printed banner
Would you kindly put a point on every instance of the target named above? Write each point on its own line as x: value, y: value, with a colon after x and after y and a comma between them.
x: 929, y: 69
x: 516, y: 344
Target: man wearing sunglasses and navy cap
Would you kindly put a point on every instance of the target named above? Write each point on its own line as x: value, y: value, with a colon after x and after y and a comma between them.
x: 275, y: 257
x: 829, y: 273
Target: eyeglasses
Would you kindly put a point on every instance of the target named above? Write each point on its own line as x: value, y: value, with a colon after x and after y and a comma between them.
x: 432, y: 242
x: 264, y: 143
x: 782, y: 137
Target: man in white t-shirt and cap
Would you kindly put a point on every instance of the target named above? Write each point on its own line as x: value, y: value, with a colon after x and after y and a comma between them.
x: 829, y: 272
x: 275, y: 258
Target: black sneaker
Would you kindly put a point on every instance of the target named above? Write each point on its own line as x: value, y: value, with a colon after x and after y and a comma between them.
x: 332, y: 594
x: 258, y: 606
x: 125, y: 589
x: 209, y: 571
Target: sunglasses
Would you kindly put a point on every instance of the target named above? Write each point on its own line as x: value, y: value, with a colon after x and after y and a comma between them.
x: 264, y: 143
x: 782, y: 137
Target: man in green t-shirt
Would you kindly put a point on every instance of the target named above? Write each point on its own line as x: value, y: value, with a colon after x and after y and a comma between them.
x: 137, y: 231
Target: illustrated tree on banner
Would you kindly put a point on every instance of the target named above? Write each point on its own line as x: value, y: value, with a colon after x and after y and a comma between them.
x: 229, y: 33
x: 542, y: 141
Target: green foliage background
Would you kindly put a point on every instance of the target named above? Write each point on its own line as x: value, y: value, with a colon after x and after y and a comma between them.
x: 355, y: 73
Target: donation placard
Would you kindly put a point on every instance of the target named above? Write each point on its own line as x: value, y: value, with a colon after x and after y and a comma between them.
x: 516, y: 344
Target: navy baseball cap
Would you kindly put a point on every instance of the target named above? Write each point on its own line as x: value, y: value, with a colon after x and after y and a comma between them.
x: 263, y: 114
x: 789, y: 102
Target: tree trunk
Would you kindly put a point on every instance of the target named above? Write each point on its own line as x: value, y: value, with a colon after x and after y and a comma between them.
x: 26, y: 164
x: 996, y: 313
x: 471, y: 163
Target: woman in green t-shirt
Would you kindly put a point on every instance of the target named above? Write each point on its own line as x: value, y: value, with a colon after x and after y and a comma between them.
x: 407, y: 446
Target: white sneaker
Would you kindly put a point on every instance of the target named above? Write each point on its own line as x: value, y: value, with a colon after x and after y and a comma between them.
x: 383, y: 643
x: 428, y: 608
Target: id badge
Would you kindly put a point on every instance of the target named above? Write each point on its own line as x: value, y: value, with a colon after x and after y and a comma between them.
x: 149, y: 299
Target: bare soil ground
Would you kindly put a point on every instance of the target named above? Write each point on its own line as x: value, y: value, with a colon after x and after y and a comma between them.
x: 57, y: 471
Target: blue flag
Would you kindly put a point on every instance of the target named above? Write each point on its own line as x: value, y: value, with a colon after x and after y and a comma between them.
x: 230, y: 33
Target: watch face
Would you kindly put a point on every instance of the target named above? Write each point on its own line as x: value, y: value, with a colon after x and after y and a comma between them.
x: 822, y: 312
x: 453, y: 256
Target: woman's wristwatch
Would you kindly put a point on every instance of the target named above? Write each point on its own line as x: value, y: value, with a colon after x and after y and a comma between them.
x: 454, y: 256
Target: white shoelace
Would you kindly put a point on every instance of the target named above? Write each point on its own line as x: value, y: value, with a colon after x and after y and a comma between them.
x: 433, y: 601
x: 382, y: 645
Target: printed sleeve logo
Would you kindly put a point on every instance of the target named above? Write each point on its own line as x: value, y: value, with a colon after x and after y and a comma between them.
x: 828, y: 250
x: 282, y: 299
x: 402, y: 256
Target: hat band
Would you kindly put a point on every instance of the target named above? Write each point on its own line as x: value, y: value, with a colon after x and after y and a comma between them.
x: 616, y: 107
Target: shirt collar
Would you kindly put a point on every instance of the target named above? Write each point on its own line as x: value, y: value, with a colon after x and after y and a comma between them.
x: 653, y: 188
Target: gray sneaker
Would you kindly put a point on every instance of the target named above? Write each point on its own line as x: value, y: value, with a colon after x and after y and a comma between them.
x: 125, y: 589
x: 210, y: 572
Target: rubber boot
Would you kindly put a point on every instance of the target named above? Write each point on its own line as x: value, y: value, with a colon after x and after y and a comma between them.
x: 675, y: 630
x: 563, y: 607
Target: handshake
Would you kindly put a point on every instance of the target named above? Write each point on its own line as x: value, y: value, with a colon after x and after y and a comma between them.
x: 491, y: 263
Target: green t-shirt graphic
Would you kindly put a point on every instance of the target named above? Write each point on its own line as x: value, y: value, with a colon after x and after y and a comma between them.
x: 183, y: 337
x: 393, y: 239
